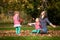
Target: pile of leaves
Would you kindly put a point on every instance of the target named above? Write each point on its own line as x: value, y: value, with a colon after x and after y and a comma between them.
x: 50, y: 33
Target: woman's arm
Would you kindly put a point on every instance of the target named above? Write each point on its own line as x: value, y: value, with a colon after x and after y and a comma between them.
x: 50, y: 23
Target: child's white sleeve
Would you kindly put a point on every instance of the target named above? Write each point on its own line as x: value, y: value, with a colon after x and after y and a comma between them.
x: 31, y: 24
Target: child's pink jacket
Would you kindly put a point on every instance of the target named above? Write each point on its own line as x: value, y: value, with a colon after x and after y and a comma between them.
x: 16, y: 20
x: 37, y: 25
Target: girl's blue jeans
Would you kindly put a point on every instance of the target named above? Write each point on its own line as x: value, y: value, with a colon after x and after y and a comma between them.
x: 36, y: 31
x: 18, y: 29
x: 39, y: 31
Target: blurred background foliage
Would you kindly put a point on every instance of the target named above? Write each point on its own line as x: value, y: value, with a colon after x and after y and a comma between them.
x: 29, y: 9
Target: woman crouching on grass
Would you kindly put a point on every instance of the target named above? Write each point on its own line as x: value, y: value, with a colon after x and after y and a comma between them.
x: 43, y: 21
x: 16, y: 20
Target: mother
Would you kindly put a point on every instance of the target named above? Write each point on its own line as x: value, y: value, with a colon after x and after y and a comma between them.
x: 43, y: 21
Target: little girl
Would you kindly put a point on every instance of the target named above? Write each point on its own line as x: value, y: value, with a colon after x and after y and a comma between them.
x: 16, y: 21
x: 37, y: 26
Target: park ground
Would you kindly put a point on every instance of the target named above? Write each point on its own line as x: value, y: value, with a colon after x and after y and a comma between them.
x: 7, y: 32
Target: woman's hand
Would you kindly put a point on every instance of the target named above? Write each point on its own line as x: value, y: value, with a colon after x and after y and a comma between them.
x: 54, y: 26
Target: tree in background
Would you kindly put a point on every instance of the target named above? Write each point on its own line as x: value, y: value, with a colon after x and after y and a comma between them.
x: 32, y: 8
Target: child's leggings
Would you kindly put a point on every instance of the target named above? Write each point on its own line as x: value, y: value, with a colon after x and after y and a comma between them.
x: 18, y: 29
x: 36, y: 31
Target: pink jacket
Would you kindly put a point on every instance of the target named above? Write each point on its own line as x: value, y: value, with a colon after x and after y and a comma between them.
x: 16, y: 19
x: 37, y: 25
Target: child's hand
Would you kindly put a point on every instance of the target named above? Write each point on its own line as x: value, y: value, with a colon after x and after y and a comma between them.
x: 29, y: 24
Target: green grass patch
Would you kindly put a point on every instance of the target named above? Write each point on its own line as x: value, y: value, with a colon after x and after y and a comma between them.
x: 6, y: 25
x: 30, y: 38
x: 24, y: 27
x: 51, y: 28
x: 28, y: 28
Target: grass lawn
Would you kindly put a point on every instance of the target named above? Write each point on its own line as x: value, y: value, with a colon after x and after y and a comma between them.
x: 10, y: 27
x: 29, y: 38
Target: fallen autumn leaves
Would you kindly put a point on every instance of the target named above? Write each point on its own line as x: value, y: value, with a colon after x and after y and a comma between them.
x: 50, y: 33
